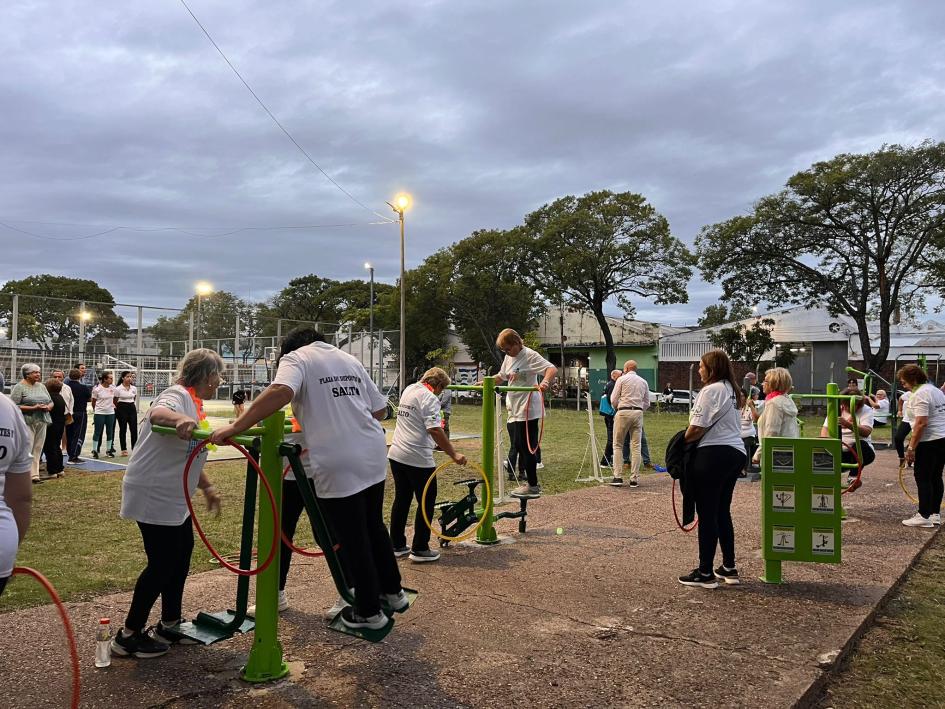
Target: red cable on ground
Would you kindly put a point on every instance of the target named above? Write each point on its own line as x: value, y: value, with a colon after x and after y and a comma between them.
x: 288, y: 542
x: 676, y: 515
x: 272, y: 501
x: 859, y: 469
x: 541, y: 433
x: 66, y: 623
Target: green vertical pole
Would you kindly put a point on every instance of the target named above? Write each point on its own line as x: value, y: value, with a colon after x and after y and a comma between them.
x: 486, y: 533
x: 833, y: 406
x: 772, y: 571
x: 265, y: 661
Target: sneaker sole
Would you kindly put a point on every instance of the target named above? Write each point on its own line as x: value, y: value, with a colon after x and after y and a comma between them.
x: 368, y: 626
x: 401, y: 554
x: 700, y: 584
x: 527, y: 496
x: 920, y: 526
x: 727, y: 580
x: 423, y: 559
x: 123, y: 652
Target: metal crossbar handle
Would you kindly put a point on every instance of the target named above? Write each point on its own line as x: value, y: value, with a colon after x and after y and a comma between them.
x: 199, y: 434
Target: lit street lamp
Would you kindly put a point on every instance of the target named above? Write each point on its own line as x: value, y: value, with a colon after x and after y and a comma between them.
x: 401, y: 204
x: 203, y: 289
x: 370, y: 268
x: 84, y: 316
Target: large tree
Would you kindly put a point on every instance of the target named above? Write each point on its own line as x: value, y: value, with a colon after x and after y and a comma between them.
x: 745, y: 343
x: 720, y: 314
x: 52, y: 323
x: 858, y: 233
x: 587, y: 250
x: 216, y: 322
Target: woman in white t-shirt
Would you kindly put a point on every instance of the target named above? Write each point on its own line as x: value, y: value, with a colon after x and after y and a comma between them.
x: 126, y: 411
x: 16, y: 442
x: 104, y: 397
x: 152, y: 495
x: 926, y: 449
x: 339, y: 409
x: 719, y: 456
x: 419, y: 428
x: 846, y: 421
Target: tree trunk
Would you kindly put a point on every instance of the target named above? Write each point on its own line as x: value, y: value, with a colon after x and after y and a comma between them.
x: 608, y: 338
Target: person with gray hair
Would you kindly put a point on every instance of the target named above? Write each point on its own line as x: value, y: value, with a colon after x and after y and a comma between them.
x: 153, y: 497
x: 35, y: 403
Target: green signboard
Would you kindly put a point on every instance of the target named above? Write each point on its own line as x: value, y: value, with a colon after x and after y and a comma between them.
x: 800, y: 508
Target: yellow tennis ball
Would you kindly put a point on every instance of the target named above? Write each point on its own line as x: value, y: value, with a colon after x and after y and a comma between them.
x: 560, y: 530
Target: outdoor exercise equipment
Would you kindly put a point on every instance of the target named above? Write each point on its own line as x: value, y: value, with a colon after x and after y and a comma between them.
x: 902, y: 484
x: 66, y: 625
x: 486, y: 534
x: 868, y: 377
x: 288, y: 542
x: 459, y: 515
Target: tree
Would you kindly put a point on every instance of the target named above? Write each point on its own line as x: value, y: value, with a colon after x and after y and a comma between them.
x: 720, y: 314
x: 862, y: 233
x: 52, y: 324
x: 745, y: 344
x: 487, y: 291
x: 603, y: 245
x: 216, y: 325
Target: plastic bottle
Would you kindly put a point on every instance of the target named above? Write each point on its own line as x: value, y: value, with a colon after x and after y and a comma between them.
x: 103, y: 643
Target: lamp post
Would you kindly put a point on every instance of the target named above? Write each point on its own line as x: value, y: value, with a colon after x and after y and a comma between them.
x: 370, y: 269
x: 203, y: 288
x: 84, y: 317
x: 402, y: 202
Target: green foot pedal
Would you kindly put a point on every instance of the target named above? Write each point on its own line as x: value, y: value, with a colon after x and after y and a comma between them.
x: 207, y: 633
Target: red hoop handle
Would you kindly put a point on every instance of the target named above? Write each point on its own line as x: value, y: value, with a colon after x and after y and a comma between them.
x: 676, y: 515
x: 288, y: 542
x: 272, y: 502
x: 541, y: 433
x: 66, y: 623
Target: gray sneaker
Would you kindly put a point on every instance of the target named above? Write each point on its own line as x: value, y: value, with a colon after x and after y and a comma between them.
x: 526, y: 490
x: 400, y: 552
x: 424, y: 556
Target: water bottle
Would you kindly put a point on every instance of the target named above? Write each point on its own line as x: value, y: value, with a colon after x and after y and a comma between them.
x: 103, y: 643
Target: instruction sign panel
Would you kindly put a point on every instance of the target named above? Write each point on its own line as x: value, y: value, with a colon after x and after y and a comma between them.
x: 782, y: 498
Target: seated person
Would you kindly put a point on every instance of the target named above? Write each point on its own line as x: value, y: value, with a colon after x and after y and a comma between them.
x: 846, y: 420
x: 881, y: 415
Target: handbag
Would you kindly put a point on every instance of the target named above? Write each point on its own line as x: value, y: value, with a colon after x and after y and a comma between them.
x: 606, y: 409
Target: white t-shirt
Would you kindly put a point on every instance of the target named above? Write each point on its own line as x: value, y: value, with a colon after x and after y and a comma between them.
x: 882, y: 413
x: 153, y: 490
x: 864, y: 418
x: 928, y: 400
x: 103, y: 399
x: 418, y: 411
x: 527, y: 365
x: 748, y: 423
x: 15, y: 459
x: 333, y: 400
x: 716, y: 404
x: 907, y: 415
x: 68, y: 397
x: 126, y: 396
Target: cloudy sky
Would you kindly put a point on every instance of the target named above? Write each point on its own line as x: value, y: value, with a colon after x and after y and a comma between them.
x: 118, y: 114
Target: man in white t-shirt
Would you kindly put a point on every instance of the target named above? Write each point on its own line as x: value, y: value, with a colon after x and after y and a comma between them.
x: 521, y: 366
x: 339, y: 409
x: 16, y: 492
x: 630, y: 398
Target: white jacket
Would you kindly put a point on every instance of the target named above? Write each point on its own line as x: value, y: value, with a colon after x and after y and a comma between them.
x: 778, y: 420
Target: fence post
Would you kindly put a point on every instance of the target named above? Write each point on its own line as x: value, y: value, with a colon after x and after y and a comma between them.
x: 380, y: 360
x: 140, y: 345
x: 236, y: 349
x: 278, y: 342
x: 14, y: 338
x: 190, y: 336
x: 82, y: 332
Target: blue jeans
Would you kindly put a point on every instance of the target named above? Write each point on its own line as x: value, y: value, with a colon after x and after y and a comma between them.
x: 107, y: 422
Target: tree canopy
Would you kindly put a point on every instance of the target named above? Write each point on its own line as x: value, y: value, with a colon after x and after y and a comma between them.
x: 720, y: 313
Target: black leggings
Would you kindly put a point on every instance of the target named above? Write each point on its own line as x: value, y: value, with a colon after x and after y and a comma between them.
x: 526, y: 460
x: 168, y: 549
x: 408, y: 484
x: 714, y: 474
x: 127, y: 416
x: 869, y: 455
x: 3, y: 584
x: 927, y: 469
x: 900, y: 438
x: 359, y: 523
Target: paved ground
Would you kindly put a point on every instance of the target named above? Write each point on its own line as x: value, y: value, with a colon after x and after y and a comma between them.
x: 592, y: 616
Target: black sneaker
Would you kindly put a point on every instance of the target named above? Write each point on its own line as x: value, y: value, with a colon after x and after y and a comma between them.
x: 697, y: 578
x: 633, y: 481
x: 729, y: 576
x: 424, y: 556
x: 508, y: 471
x: 616, y: 482
x: 170, y: 635
x: 141, y: 645
x: 110, y: 454
x: 95, y: 454
x: 401, y: 552
x: 351, y: 619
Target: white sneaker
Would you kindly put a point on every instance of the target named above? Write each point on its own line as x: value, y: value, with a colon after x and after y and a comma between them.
x: 918, y: 520
x: 351, y: 619
x: 539, y: 466
x: 283, y: 605
x: 936, y: 519
x: 397, y: 601
x: 339, y: 606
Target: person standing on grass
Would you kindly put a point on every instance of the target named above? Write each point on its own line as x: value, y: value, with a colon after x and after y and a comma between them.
x: 340, y: 409
x: 104, y: 397
x: 81, y: 395
x: 520, y: 367
x: 52, y: 447
x: 630, y: 398
x: 66, y: 393
x: 152, y: 496
x: 35, y: 403
x: 926, y: 449
x: 607, y: 460
x: 126, y: 411
x: 719, y: 457
x: 418, y: 429
x: 16, y: 493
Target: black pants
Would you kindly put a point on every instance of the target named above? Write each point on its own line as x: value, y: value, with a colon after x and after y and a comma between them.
x: 408, y: 484
x: 127, y: 416
x: 751, y: 444
x: 52, y: 447
x: 927, y: 469
x: 869, y: 455
x: 609, y: 448
x: 513, y: 456
x: 714, y: 473
x: 526, y: 460
x: 168, y: 549
x: 75, y: 433
x: 899, y: 439
x: 3, y: 584
x: 358, y: 521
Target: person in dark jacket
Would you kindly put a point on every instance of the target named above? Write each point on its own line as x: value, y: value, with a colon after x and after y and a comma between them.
x: 52, y: 447
x: 607, y: 460
x: 81, y: 395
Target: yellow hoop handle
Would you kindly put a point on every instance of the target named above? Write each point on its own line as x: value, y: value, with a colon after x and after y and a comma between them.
x: 902, y: 484
x: 485, y: 506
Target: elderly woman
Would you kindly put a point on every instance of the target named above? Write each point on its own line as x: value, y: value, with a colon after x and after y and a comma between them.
x: 15, y: 492
x: 419, y: 428
x: 778, y: 418
x: 34, y: 401
x: 153, y: 497
x: 926, y: 449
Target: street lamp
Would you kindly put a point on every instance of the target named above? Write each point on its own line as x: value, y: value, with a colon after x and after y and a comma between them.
x: 203, y: 288
x: 401, y: 204
x: 84, y: 316
x: 370, y: 268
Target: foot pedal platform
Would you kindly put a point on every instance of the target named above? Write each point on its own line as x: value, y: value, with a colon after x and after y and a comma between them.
x: 209, y: 628
x: 373, y: 636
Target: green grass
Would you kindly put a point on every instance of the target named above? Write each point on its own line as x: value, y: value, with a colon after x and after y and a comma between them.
x: 80, y: 543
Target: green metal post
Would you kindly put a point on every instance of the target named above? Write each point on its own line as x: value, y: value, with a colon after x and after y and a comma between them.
x: 833, y: 389
x: 486, y: 533
x: 265, y: 661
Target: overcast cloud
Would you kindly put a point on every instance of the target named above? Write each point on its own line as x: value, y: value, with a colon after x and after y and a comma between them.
x: 117, y: 113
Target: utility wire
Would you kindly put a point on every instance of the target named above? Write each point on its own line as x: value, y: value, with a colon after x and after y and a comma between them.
x: 276, y: 120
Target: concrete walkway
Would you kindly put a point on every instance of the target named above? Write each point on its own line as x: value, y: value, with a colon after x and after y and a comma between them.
x: 593, y: 616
